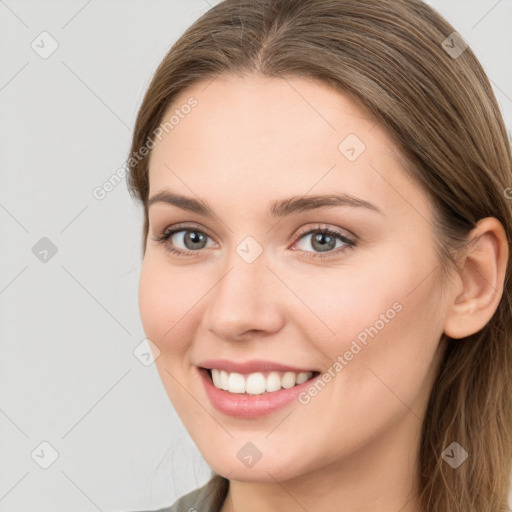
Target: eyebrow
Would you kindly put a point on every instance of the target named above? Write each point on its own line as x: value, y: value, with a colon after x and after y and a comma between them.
x: 279, y: 208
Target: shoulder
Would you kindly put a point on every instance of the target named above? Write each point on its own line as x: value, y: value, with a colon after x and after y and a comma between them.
x: 208, y: 498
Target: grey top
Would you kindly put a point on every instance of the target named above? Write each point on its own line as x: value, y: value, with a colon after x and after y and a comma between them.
x: 208, y: 498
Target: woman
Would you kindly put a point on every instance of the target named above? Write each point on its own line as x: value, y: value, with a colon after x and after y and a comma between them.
x: 325, y: 274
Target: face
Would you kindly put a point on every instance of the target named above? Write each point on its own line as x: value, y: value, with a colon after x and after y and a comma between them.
x: 269, y: 288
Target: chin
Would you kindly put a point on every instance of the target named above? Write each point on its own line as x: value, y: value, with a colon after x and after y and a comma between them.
x: 265, y: 471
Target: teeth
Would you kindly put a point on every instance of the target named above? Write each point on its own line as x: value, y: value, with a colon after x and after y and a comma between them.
x: 288, y: 380
x: 257, y: 383
x: 303, y: 377
x: 224, y: 380
x: 236, y: 383
x: 273, y: 382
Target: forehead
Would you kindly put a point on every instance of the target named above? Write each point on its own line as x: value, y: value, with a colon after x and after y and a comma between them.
x: 259, y: 136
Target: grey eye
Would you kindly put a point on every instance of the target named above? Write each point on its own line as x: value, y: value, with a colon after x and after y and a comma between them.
x: 321, y: 242
x: 191, y: 239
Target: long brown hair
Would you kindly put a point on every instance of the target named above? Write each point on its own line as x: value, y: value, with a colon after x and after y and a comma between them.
x: 402, y: 61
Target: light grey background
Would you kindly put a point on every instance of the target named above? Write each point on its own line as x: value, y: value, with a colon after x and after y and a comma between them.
x: 68, y: 326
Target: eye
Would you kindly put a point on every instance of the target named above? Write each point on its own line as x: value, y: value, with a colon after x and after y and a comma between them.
x: 187, y: 241
x: 190, y: 239
x: 324, y: 240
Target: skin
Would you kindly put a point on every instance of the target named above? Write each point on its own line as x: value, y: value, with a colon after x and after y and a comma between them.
x: 251, y: 141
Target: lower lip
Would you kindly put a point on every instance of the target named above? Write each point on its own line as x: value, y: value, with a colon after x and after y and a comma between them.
x: 250, y: 406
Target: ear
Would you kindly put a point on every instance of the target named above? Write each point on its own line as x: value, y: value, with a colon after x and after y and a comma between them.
x: 479, y: 283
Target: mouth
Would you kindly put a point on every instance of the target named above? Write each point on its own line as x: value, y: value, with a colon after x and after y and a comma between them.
x: 257, y: 383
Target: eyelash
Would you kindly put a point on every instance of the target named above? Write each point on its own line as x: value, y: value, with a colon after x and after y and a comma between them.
x: 350, y: 243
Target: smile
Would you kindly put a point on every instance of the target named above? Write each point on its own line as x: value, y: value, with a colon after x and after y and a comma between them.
x: 252, y: 389
x: 257, y: 383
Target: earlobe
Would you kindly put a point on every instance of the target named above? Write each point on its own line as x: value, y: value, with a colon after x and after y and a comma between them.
x: 480, y: 281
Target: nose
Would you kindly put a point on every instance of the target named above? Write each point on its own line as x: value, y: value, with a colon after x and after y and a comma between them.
x: 245, y: 301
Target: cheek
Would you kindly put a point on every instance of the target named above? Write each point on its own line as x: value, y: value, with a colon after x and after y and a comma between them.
x: 337, y: 305
x: 383, y: 321
x: 347, y: 300
x: 387, y: 376
x: 166, y: 305
x: 166, y: 301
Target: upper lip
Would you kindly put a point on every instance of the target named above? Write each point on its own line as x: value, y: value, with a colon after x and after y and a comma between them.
x: 255, y: 365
